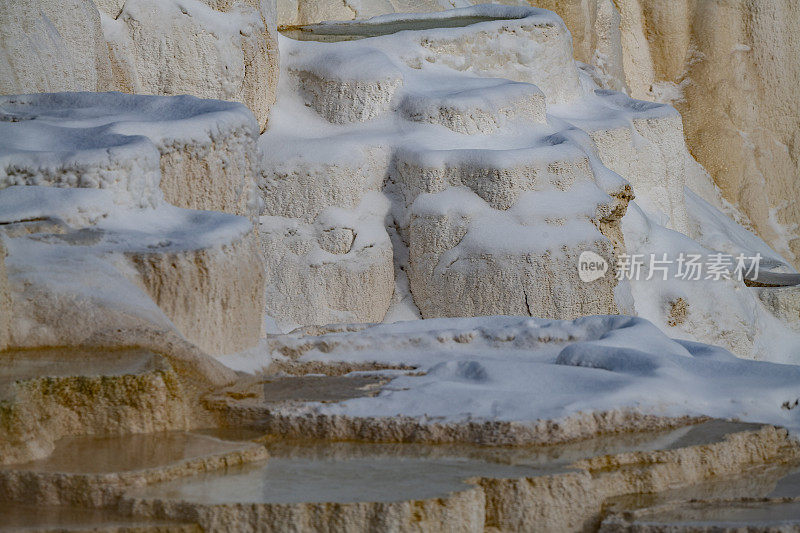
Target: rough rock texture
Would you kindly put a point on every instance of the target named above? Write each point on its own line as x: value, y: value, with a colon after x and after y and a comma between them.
x: 488, y: 233
x: 461, y: 511
x: 50, y: 46
x: 457, y: 268
x: 106, y: 268
x: 144, y: 395
x: 486, y: 108
x: 295, y: 184
x: 596, y: 40
x: 96, y: 487
x: 643, y: 142
x: 574, y: 501
x: 230, y: 54
x: 212, y: 295
x: 342, y: 90
x: 198, y: 152
x: 541, y: 54
x: 338, y: 269
x: 703, y: 516
x: 782, y: 302
x: 731, y: 69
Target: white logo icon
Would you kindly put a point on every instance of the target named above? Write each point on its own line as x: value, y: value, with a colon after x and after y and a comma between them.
x: 591, y: 266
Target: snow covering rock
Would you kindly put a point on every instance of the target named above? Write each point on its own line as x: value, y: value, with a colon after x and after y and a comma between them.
x: 556, y: 378
x: 301, y: 177
x: 436, y: 130
x: 643, y: 142
x: 466, y: 184
x: 48, y: 46
x: 467, y: 259
x: 476, y: 106
x: 221, y: 50
x: 734, y: 88
x: 199, y: 152
x: 346, y: 88
x: 101, y: 267
x: 519, y: 44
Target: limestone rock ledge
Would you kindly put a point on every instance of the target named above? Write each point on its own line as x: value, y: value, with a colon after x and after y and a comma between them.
x: 199, y: 152
x: 100, y: 268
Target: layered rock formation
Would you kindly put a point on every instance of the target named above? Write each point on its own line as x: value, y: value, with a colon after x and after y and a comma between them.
x: 729, y: 68
x: 103, y: 221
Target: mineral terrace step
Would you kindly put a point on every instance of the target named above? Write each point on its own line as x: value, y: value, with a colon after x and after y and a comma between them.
x: 91, y: 471
x: 324, y: 485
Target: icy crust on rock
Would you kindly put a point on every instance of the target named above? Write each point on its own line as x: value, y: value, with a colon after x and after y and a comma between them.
x: 527, y: 370
x: 229, y: 54
x: 198, y: 152
x: 79, y: 265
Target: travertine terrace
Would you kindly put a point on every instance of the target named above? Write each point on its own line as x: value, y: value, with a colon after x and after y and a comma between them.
x: 374, y: 274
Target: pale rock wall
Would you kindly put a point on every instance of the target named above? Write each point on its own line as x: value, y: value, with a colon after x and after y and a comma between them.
x: 200, y: 153
x: 295, y: 185
x: 214, y: 296
x: 643, y: 142
x: 596, y: 37
x: 337, y: 269
x: 485, y: 109
x: 216, y: 174
x: 540, y: 53
x: 97, y: 268
x: 228, y: 55
x: 52, y: 46
x: 459, y: 267
x: 341, y: 96
x: 731, y: 69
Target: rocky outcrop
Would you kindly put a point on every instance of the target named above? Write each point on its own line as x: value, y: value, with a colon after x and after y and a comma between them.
x: 84, y: 391
x: 340, y: 88
x: 337, y: 269
x: 483, y: 106
x: 731, y: 69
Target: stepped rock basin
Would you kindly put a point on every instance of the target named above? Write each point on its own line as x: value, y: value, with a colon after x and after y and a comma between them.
x: 345, y: 472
